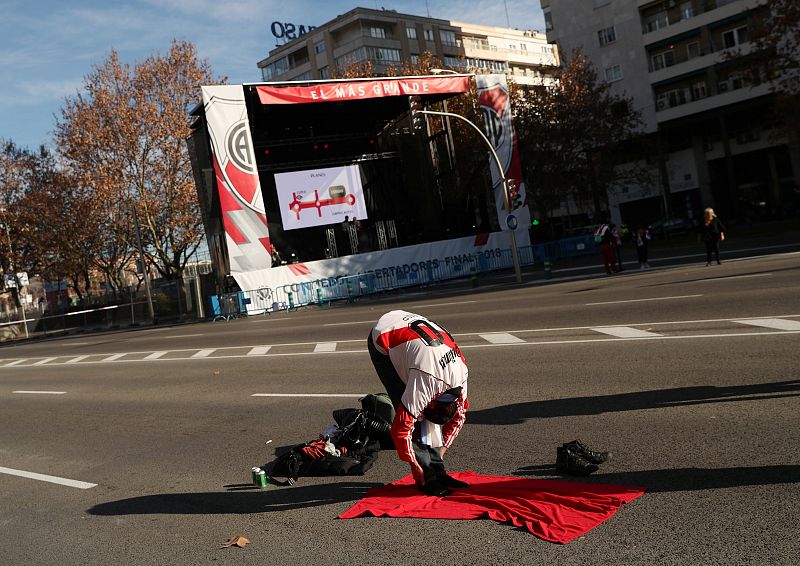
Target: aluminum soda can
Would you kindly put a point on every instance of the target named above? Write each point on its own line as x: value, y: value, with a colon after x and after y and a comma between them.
x: 262, y: 478
x: 254, y: 474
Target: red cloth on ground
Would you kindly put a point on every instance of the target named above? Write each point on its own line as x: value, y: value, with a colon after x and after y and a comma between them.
x: 556, y: 511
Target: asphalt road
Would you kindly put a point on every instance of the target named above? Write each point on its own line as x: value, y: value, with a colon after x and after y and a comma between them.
x: 689, y: 375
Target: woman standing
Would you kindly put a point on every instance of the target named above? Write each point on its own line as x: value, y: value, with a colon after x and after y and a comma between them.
x: 712, y: 232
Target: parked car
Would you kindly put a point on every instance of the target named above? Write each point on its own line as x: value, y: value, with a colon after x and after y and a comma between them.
x: 669, y: 227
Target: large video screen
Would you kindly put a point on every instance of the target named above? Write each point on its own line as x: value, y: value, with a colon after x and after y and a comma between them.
x: 317, y: 197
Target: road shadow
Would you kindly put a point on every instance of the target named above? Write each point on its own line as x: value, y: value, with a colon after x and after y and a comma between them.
x: 681, y: 479
x: 236, y: 501
x: 517, y: 413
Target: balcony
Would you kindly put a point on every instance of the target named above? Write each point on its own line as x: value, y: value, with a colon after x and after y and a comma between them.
x: 712, y: 102
x: 720, y: 12
x: 695, y: 64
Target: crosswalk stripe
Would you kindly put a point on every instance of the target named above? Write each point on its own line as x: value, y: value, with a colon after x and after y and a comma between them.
x: 15, y: 363
x: 203, y: 353
x: 44, y: 361
x: 113, y: 357
x: 325, y: 347
x: 625, y: 332
x: 77, y: 359
x: 155, y: 355
x: 501, y: 338
x: 777, y: 323
x: 259, y: 351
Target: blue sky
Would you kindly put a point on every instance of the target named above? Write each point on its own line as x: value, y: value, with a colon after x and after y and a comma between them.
x: 48, y: 46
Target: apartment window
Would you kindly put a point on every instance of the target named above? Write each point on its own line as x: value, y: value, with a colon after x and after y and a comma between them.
x: 411, y: 32
x: 319, y: 47
x: 324, y: 72
x: 383, y: 54
x: 275, y: 69
x: 607, y: 35
x: 427, y: 34
x: 451, y: 61
x: 693, y: 50
x: 523, y: 47
x: 662, y: 60
x: 414, y: 58
x: 447, y: 37
x: 686, y: 10
x: 613, y: 74
x: 512, y: 47
x: 699, y: 90
x: 734, y: 37
x: 656, y: 22
x: 377, y: 32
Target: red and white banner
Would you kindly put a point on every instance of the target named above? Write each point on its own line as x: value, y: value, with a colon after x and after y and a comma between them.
x: 361, y: 90
x: 243, y: 216
x: 496, y: 109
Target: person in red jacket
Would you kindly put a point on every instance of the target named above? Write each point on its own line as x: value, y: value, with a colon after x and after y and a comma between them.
x: 425, y: 375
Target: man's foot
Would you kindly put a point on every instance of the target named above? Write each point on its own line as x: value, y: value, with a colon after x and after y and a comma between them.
x: 593, y: 456
x: 449, y: 481
x: 435, y: 488
x: 570, y: 463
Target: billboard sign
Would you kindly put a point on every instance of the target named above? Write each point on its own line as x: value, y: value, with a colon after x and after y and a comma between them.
x: 318, y: 197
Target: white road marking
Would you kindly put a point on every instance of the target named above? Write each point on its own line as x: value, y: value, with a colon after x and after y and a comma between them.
x: 75, y: 344
x: 501, y: 338
x: 77, y: 359
x: 776, y: 323
x: 51, y: 479
x: 44, y: 361
x: 42, y: 392
x: 352, y: 322
x: 155, y: 355
x: 184, y: 336
x: 259, y: 351
x: 204, y: 353
x: 643, y: 300
x: 624, y: 331
x: 325, y: 347
x: 15, y: 363
x: 308, y: 395
x: 113, y: 357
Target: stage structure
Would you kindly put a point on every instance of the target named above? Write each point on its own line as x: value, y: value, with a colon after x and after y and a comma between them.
x: 312, y: 169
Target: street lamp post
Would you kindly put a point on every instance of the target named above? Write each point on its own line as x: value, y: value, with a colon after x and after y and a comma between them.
x: 144, y: 266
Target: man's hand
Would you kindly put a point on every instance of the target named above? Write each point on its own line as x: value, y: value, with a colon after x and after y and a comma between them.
x: 442, y: 450
x: 416, y: 471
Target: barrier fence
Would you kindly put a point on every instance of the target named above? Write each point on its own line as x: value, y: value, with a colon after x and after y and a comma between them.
x: 350, y: 287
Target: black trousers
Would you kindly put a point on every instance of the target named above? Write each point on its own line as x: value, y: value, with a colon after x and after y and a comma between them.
x: 429, y: 458
x: 712, y: 246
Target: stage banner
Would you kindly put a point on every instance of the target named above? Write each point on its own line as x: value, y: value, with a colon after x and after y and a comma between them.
x: 243, y: 216
x: 360, y: 90
x: 495, y: 106
x: 445, y: 256
x: 317, y: 197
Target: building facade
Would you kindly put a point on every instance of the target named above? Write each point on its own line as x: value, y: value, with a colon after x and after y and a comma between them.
x: 687, y: 65
x: 386, y: 39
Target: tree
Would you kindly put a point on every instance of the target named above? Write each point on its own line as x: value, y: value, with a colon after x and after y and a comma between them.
x: 572, y: 136
x: 123, y: 136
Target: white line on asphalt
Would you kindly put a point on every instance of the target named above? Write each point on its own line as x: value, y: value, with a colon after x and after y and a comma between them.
x: 259, y: 351
x: 75, y: 344
x: 203, y: 353
x: 643, y: 300
x: 624, y: 331
x: 772, y: 323
x: 42, y: 392
x: 184, y: 336
x: 113, y: 357
x: 15, y: 363
x: 422, y: 306
x: 51, y: 479
x: 308, y: 395
x: 155, y: 355
x: 325, y: 347
x: 501, y: 338
x: 731, y: 277
x: 44, y: 361
x: 372, y: 321
x: 77, y: 359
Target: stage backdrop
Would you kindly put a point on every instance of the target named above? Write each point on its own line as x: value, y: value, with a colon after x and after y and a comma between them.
x: 318, y: 197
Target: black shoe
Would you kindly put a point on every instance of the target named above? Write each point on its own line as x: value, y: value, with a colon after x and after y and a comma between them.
x: 435, y: 488
x: 570, y: 463
x: 593, y: 456
x: 449, y: 481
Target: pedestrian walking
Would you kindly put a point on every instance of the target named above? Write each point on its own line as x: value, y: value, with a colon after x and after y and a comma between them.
x: 712, y: 231
x: 604, y: 239
x: 617, y: 244
x: 642, y: 243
